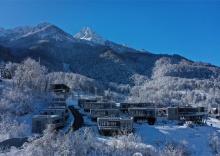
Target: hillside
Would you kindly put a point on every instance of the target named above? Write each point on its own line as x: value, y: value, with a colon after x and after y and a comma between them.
x: 120, y: 68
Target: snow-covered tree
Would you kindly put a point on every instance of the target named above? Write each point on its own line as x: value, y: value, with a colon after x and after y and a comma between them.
x: 30, y: 74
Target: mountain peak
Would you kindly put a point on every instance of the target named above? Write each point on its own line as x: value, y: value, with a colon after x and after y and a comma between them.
x: 43, y: 24
x: 87, y: 34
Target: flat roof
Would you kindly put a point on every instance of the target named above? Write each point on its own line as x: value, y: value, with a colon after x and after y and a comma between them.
x: 52, y: 109
x: 58, y: 102
x: 193, y: 114
x: 56, y: 107
x: 99, y: 103
x: 57, y: 98
x: 106, y: 109
x: 46, y: 116
x: 116, y: 118
x: 142, y: 108
x: 185, y: 107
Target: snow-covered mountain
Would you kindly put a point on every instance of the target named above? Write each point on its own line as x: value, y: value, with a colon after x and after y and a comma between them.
x: 87, y: 34
x: 19, y: 32
x: 31, y: 36
x: 114, y: 65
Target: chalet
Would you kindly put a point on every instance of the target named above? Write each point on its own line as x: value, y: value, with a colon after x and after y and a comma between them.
x: 39, y: 122
x: 106, y: 112
x: 188, y: 113
x: 111, y: 125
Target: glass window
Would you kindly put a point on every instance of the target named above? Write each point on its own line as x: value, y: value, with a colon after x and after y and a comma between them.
x: 38, y: 123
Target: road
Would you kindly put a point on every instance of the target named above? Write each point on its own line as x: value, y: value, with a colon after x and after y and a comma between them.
x: 78, y: 118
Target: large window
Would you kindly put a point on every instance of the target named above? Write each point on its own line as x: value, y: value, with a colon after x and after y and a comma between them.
x: 38, y: 123
x: 172, y: 111
x: 123, y: 106
x: 125, y: 125
x: 109, y: 123
x: 56, y: 121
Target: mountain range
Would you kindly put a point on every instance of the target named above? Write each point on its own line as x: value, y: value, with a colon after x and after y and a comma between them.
x: 86, y: 53
x: 89, y: 54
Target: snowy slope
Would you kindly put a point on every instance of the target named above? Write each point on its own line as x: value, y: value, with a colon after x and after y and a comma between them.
x: 196, y: 137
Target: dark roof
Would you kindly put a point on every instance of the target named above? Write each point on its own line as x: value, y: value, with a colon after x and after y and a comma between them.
x: 60, y: 86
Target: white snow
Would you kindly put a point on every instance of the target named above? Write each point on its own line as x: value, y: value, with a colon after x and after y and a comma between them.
x: 125, y: 45
x: 154, y: 136
x: 43, y: 41
x: 89, y: 35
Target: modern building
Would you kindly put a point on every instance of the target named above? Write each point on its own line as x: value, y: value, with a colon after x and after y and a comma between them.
x: 111, y: 125
x: 59, y: 99
x: 39, y: 122
x: 58, y: 104
x: 56, y: 110
x: 5, y: 73
x: 125, y: 106
x: 188, y: 113
x: 141, y: 113
x: 106, y: 112
x: 82, y: 101
x: 97, y: 105
x: 60, y: 88
x: 150, y: 114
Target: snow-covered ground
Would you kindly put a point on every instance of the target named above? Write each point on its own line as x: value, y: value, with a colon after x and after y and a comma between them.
x: 157, y: 135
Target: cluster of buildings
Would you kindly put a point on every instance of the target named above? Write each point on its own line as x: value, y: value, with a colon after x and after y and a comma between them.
x: 56, y: 113
x: 119, y: 118
x: 112, y: 117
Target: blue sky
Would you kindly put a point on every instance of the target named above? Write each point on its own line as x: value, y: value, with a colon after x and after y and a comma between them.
x: 188, y: 28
